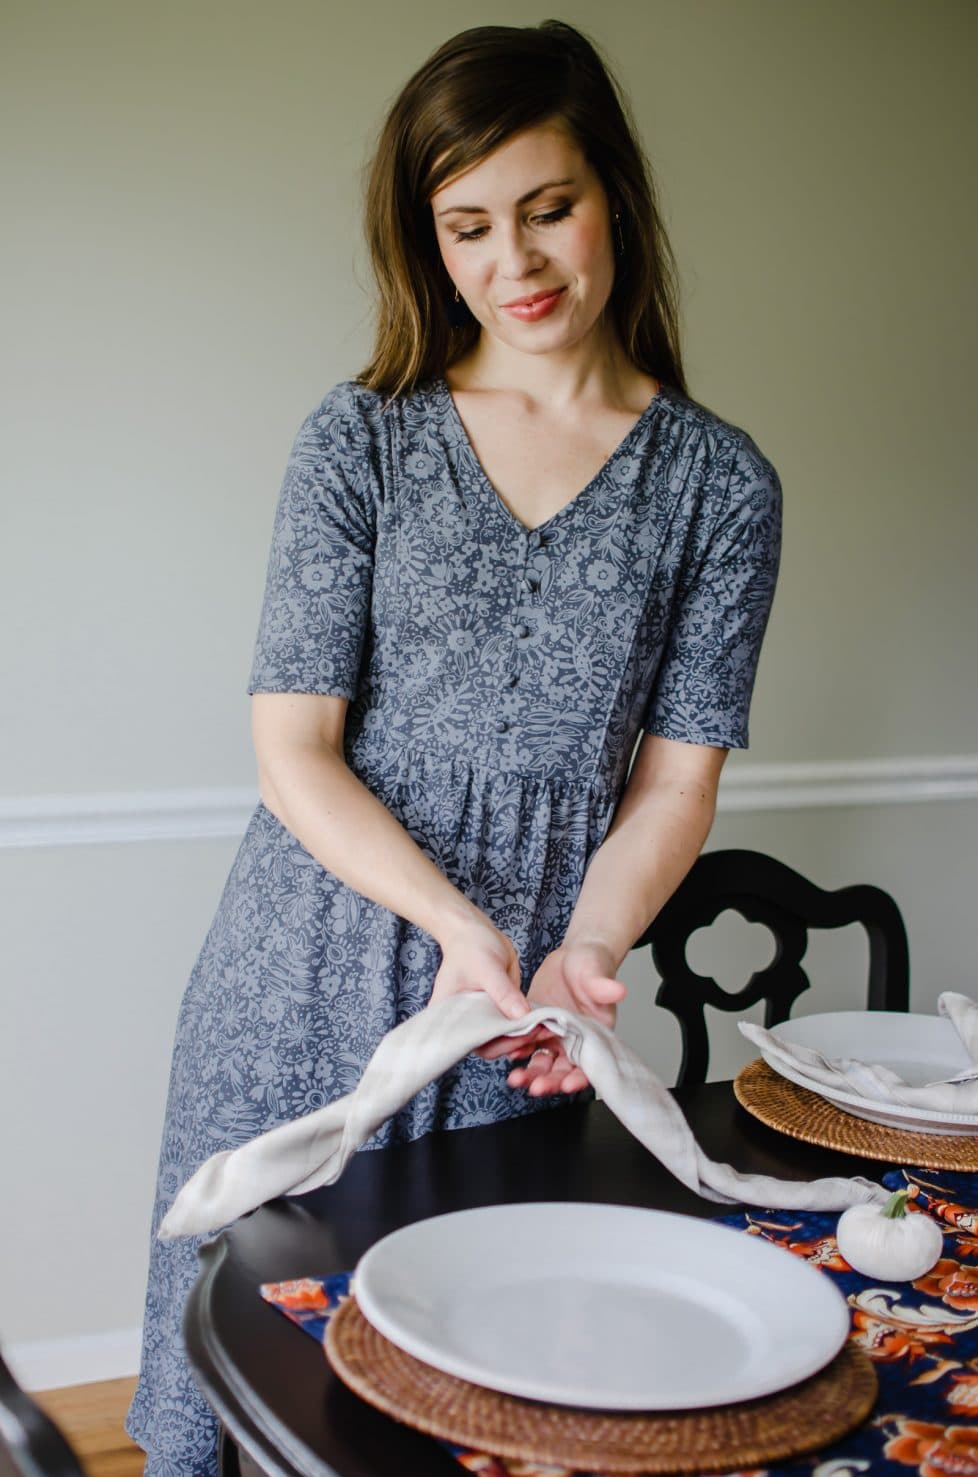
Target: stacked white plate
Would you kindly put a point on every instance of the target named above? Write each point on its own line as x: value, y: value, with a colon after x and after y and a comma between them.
x: 918, y: 1048
x: 603, y: 1306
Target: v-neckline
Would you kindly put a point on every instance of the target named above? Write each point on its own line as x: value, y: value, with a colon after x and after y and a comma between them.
x: 488, y: 484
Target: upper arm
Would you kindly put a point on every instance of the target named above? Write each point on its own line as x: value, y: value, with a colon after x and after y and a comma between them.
x: 662, y: 763
x: 703, y: 686
x: 297, y: 719
x: 316, y: 611
x: 287, y: 725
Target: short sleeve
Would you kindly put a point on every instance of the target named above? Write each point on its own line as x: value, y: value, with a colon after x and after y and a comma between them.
x: 316, y: 611
x: 703, y: 687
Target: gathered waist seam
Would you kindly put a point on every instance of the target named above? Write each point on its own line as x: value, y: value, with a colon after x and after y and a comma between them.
x: 447, y: 762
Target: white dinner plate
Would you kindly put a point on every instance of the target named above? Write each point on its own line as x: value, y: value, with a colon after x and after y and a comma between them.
x: 603, y: 1306
x: 919, y: 1048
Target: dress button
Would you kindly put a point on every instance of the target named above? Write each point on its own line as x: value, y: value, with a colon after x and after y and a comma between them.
x: 535, y: 539
x: 501, y: 725
x: 522, y: 631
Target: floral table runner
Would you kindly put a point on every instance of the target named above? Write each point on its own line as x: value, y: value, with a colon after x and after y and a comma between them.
x: 922, y: 1337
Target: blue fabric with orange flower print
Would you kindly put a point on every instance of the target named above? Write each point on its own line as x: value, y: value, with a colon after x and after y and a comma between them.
x: 922, y: 1338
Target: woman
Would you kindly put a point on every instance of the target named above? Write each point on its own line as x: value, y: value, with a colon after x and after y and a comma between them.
x: 507, y: 552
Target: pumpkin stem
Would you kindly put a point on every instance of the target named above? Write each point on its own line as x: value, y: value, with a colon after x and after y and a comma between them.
x: 896, y: 1206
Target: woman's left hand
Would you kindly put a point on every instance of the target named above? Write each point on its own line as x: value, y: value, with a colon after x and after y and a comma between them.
x: 580, y: 977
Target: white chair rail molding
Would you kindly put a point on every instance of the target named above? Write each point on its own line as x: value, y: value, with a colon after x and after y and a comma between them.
x: 198, y: 814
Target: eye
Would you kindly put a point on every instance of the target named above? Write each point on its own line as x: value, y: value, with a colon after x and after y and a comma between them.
x: 473, y: 235
x: 546, y: 218
x: 551, y: 217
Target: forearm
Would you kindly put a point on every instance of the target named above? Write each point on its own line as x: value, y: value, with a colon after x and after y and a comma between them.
x: 317, y: 797
x: 650, y: 846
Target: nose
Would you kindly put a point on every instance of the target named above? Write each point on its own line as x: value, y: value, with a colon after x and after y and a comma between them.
x: 518, y: 255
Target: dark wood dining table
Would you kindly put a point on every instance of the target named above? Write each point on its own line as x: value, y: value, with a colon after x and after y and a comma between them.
x: 276, y: 1396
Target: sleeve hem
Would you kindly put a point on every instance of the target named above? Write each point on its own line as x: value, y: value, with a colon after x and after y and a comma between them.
x: 319, y: 689
x: 714, y: 739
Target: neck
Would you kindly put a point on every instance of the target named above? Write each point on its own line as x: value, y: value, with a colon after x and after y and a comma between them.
x: 594, y: 370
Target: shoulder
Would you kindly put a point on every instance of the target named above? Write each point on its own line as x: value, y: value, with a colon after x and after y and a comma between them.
x: 731, y: 469
x: 370, y: 423
x: 349, y: 414
x: 345, y: 440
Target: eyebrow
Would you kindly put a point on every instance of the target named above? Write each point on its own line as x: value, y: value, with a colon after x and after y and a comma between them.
x: 553, y: 184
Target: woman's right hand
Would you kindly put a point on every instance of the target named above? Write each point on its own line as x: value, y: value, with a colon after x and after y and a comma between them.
x: 475, y: 955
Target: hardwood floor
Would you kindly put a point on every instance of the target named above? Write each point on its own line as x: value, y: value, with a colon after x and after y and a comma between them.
x: 91, y: 1417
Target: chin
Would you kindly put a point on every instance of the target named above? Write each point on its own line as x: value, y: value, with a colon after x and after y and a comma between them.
x: 538, y: 338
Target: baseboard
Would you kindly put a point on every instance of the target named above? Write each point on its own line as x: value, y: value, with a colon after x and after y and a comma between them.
x: 49, y: 1364
x: 191, y: 815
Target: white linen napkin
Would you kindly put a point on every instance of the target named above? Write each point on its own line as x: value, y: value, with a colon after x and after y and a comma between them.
x: 313, y: 1151
x: 958, y: 1094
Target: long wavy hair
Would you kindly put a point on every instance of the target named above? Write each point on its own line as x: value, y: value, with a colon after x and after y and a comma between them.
x: 473, y: 94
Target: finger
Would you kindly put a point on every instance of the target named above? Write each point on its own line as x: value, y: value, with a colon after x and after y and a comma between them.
x: 550, y: 1082
x: 497, y: 1047
x: 574, y: 1081
x: 519, y: 1046
x: 507, y: 998
x: 513, y: 1046
x: 543, y: 1073
x: 539, y: 1039
x: 546, y: 1052
x: 565, y: 1078
x: 539, y: 1065
x: 603, y: 990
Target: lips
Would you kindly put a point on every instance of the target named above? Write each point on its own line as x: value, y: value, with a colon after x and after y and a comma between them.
x: 537, y: 305
x: 535, y: 297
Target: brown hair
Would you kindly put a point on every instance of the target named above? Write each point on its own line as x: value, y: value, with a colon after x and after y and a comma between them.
x: 478, y: 90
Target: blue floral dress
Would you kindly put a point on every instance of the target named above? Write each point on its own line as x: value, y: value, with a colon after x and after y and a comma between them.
x: 498, y: 680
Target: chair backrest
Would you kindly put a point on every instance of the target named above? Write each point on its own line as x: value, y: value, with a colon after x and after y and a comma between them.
x: 30, y: 1443
x: 766, y: 891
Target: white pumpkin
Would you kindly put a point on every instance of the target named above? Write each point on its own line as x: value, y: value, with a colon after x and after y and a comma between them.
x: 885, y: 1242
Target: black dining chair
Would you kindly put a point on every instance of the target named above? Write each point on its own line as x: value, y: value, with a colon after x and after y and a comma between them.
x: 764, y: 890
x: 30, y: 1443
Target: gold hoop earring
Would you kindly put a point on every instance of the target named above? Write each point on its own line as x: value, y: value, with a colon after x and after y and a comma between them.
x: 458, y: 313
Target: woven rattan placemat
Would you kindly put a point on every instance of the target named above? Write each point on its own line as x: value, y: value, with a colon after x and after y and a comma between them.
x: 804, y: 1115
x: 752, y: 1433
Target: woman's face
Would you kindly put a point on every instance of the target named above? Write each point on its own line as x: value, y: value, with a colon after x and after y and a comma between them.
x: 526, y: 237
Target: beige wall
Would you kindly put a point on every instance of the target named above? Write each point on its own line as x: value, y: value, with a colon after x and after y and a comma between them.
x: 181, y: 264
